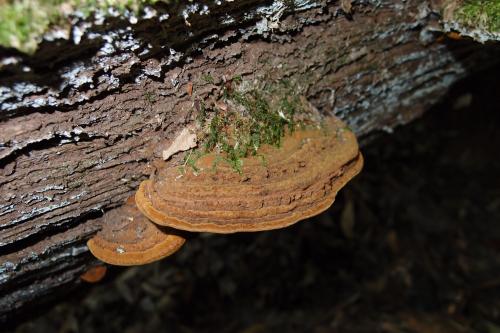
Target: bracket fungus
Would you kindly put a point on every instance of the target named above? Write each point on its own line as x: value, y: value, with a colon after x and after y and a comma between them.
x: 277, y: 187
x: 128, y: 238
x: 94, y: 274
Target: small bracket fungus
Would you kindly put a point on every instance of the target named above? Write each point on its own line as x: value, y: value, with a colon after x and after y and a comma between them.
x: 94, y: 274
x: 128, y: 238
x: 275, y: 188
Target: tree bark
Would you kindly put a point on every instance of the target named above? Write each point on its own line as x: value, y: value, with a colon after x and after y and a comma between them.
x: 80, y: 120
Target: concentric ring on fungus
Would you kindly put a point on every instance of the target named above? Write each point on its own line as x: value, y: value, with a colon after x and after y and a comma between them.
x: 128, y: 238
x: 275, y: 189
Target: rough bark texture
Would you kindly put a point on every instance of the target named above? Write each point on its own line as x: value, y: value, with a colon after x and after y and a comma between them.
x: 79, y: 123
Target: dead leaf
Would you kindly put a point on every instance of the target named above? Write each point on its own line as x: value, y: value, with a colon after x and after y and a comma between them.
x: 184, y: 141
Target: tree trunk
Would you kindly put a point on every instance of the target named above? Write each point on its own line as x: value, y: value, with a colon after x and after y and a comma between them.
x: 80, y: 120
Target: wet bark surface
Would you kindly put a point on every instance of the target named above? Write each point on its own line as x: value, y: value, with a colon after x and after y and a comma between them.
x: 79, y: 124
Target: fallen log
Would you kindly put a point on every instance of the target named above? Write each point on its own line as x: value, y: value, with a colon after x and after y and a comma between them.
x: 80, y: 119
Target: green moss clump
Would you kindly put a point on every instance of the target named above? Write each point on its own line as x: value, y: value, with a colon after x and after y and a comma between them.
x: 23, y: 22
x: 150, y: 97
x: 483, y: 14
x: 207, y: 78
x: 190, y: 161
x: 244, y: 120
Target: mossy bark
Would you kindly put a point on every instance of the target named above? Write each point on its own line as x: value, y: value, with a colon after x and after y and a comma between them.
x: 79, y: 124
x: 478, y: 19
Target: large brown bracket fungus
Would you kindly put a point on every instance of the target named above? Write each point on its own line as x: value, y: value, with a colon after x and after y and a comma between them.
x: 276, y: 188
x: 128, y: 238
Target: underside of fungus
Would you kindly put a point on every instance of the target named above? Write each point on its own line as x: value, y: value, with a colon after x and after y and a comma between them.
x: 275, y: 188
x: 128, y: 238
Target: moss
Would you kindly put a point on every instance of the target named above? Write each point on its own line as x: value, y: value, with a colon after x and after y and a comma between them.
x: 483, y: 14
x: 237, y: 79
x: 190, y: 161
x: 150, y: 97
x: 23, y: 22
x: 207, y: 78
x: 244, y: 120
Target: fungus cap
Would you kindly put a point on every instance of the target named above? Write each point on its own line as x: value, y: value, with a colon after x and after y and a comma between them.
x: 94, y: 274
x: 128, y: 238
x: 276, y: 188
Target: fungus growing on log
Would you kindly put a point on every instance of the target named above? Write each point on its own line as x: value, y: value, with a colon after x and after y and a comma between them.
x: 128, y: 238
x: 277, y: 187
x: 94, y: 274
